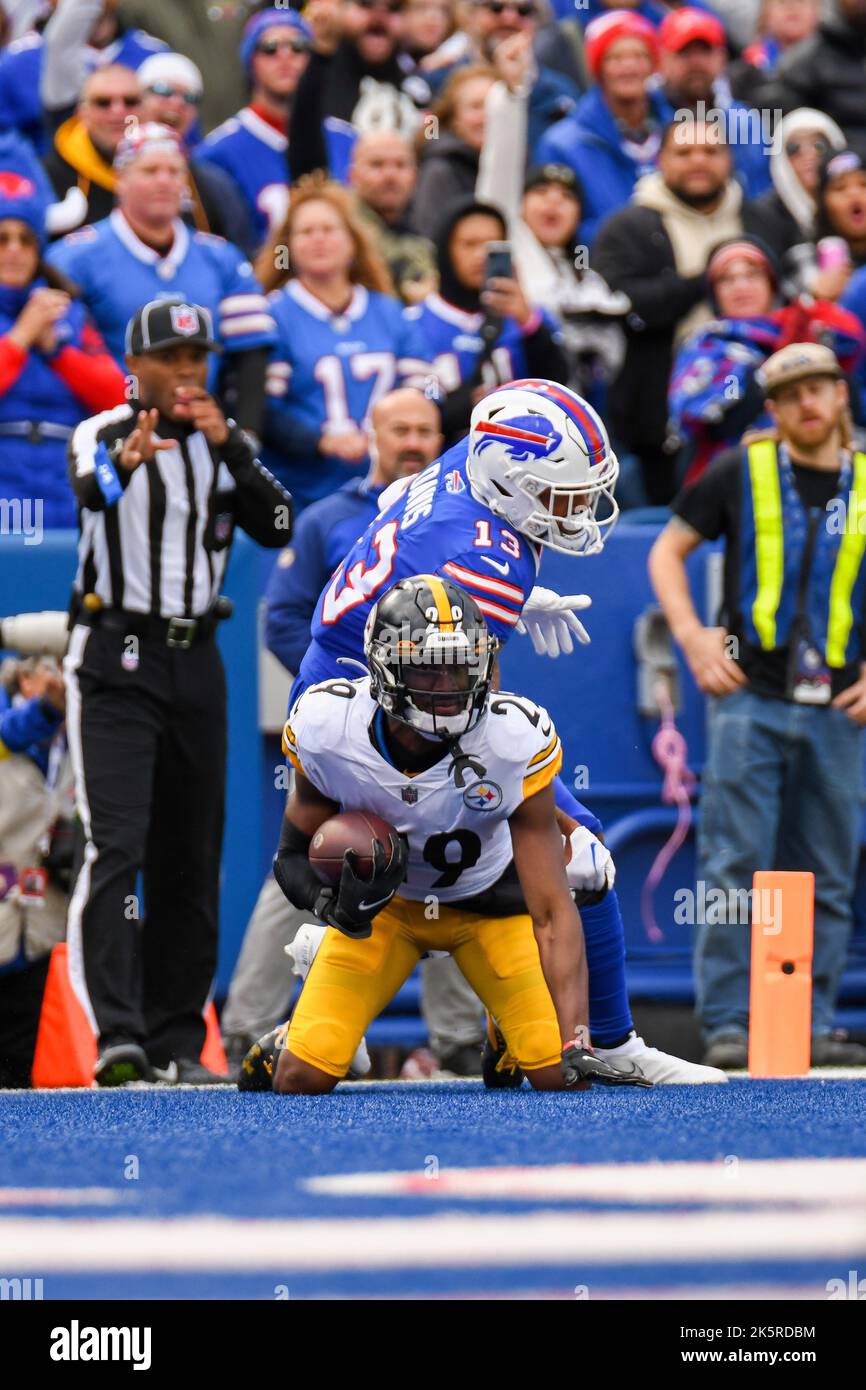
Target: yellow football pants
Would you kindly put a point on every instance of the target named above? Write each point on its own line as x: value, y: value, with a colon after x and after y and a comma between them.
x: 350, y: 982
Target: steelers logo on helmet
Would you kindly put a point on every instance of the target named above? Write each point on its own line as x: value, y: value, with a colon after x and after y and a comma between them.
x: 540, y: 458
x: 430, y: 655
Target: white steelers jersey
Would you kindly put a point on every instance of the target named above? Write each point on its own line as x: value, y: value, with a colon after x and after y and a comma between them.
x: 455, y: 814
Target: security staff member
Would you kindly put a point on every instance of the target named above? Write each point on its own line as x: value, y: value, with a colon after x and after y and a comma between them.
x: 161, y: 484
x: 783, y: 773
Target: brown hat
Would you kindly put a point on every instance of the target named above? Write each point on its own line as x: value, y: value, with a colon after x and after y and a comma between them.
x: 794, y: 362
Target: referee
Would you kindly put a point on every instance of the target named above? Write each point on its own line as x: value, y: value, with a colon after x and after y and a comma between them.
x: 161, y: 484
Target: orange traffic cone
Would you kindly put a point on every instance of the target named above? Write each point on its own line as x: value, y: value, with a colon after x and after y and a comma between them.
x: 213, y: 1053
x: 65, y: 1045
x: 65, y: 1052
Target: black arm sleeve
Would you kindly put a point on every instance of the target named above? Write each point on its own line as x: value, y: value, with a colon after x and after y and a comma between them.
x: 308, y: 149
x: 243, y: 388
x: 292, y: 867
x: 262, y: 507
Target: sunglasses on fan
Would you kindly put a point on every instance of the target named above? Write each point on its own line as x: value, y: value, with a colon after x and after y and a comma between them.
x: 270, y: 47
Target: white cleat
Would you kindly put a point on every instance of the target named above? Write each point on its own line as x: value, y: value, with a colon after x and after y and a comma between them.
x: 660, y: 1067
x: 302, y: 952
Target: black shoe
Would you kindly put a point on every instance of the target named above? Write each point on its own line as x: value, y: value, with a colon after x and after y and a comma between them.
x: 462, y: 1061
x: 259, y: 1067
x: 835, y: 1050
x: 120, y: 1062
x: 728, y: 1052
x: 498, y: 1067
x: 182, y: 1071
x: 237, y: 1045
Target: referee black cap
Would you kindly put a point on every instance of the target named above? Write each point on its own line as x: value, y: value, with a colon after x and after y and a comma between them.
x: 165, y: 322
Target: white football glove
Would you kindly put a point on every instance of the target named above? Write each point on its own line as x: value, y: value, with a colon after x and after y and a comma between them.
x: 549, y: 621
x: 590, y: 868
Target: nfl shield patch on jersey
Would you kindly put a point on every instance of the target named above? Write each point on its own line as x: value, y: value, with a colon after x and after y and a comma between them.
x: 454, y: 482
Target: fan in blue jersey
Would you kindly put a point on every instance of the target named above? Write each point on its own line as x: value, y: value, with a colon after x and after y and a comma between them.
x: 480, y: 335
x: 22, y: 64
x: 341, y: 344
x: 537, y: 470
x: 144, y: 251
x: 252, y: 145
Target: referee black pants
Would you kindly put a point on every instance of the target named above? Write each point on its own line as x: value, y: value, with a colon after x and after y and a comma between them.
x: 148, y: 743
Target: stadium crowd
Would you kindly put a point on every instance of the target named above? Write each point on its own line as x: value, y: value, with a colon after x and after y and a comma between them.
x: 668, y: 195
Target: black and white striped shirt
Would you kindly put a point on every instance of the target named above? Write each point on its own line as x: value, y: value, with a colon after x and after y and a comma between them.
x: 156, y: 539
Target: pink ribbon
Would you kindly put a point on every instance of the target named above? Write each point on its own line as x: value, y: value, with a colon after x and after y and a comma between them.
x: 670, y: 751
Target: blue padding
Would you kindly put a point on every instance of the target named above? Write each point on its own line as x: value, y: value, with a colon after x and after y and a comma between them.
x: 407, y: 1031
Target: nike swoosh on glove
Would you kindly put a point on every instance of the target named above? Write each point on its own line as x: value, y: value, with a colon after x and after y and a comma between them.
x: 357, y: 900
x: 591, y: 868
x: 580, y: 1065
x: 549, y: 622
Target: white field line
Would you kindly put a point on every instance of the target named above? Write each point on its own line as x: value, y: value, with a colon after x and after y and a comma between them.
x: 579, y: 1240
x: 821, y: 1182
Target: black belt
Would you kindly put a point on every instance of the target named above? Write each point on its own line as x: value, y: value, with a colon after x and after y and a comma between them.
x: 180, y: 633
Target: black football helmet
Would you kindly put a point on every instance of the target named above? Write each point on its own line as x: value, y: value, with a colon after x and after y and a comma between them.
x: 430, y: 656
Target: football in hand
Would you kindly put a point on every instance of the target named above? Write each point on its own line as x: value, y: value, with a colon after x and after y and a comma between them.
x: 355, y: 830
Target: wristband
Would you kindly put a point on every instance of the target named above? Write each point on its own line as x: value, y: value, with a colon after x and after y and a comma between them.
x: 580, y: 1039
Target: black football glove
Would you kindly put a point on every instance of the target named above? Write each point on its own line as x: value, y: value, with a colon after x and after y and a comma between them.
x: 356, y: 902
x: 581, y: 1064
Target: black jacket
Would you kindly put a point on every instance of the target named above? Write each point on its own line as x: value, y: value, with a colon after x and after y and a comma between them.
x: 633, y: 253
x: 331, y: 86
x: 828, y: 71
x: 447, y: 174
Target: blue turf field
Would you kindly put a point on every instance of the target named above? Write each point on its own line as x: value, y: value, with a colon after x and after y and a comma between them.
x: 222, y: 1204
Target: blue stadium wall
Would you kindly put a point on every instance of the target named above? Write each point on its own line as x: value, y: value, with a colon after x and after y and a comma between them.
x: 591, y: 694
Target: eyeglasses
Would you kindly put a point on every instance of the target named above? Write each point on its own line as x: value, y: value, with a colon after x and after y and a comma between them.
x: 26, y: 237
x: 271, y: 47
x: 819, y: 143
x: 164, y: 89
x: 103, y: 103
x: 524, y: 8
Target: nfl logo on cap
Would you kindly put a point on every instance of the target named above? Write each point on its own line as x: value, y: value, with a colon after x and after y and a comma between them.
x: 184, y: 319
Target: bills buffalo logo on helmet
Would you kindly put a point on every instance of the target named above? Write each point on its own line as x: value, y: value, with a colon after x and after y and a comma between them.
x: 184, y: 319
x: 523, y: 437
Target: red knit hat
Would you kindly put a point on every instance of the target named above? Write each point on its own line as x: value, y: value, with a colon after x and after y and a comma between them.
x: 617, y: 24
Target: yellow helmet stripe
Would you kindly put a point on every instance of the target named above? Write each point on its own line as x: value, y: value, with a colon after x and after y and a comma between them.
x: 440, y: 598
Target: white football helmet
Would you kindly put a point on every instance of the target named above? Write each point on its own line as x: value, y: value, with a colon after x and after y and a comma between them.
x: 540, y: 458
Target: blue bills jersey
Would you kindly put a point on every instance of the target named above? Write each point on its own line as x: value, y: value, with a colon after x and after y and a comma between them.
x: 117, y: 273
x: 453, y: 343
x: 434, y: 526
x: 327, y: 372
x: 253, y: 153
